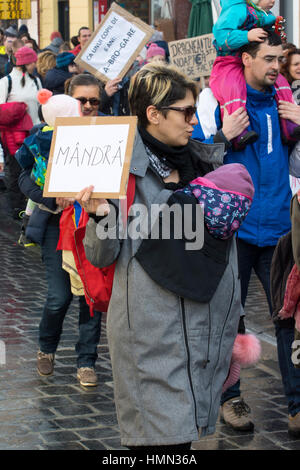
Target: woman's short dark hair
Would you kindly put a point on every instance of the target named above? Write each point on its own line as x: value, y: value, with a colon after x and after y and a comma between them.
x: 160, y: 86
x: 82, y: 79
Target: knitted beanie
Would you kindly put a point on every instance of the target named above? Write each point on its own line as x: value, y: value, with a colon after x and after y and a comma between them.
x: 54, y: 106
x: 22, y: 30
x: 25, y: 55
x: 64, y: 59
x: 154, y: 50
x: 55, y: 34
x: 11, y: 32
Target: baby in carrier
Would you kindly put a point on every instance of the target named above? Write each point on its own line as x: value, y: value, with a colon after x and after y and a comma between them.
x: 226, y: 196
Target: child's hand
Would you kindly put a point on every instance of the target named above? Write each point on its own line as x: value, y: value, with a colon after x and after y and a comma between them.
x: 257, y: 34
x: 1, y: 167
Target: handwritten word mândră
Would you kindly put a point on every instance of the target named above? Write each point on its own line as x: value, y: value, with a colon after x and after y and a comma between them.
x: 86, y: 157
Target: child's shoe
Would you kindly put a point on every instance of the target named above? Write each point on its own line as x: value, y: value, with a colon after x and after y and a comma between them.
x: 23, y: 240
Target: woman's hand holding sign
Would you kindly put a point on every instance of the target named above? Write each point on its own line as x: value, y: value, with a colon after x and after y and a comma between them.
x: 64, y: 202
x: 99, y: 206
x: 112, y: 86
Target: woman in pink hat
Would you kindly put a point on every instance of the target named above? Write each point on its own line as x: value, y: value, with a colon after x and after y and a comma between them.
x: 155, y: 53
x: 21, y: 85
x: 18, y: 99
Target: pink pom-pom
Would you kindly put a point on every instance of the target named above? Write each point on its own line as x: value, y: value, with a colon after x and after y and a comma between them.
x: 44, y: 95
x: 246, y: 349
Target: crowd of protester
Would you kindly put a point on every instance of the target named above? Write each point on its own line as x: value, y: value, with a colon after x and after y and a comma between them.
x: 175, y: 350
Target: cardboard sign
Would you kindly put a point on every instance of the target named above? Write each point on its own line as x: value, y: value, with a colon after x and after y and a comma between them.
x: 114, y: 45
x: 90, y: 151
x: 194, y: 56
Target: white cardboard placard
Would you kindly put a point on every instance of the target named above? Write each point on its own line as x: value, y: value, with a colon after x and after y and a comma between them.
x: 115, y: 44
x: 90, y: 151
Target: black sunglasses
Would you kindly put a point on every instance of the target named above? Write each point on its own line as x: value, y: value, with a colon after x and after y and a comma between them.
x: 92, y: 101
x: 188, y: 111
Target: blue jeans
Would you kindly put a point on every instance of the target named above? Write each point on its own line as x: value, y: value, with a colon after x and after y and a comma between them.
x: 258, y: 258
x: 58, y: 300
x: 290, y: 375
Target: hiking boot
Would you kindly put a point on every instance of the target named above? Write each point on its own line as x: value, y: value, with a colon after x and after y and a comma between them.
x: 87, y: 376
x: 236, y: 413
x: 45, y: 363
x: 294, y: 425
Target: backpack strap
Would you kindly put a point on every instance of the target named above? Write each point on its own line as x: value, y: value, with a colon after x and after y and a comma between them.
x: 125, y: 204
x: 36, y: 82
x: 9, y: 86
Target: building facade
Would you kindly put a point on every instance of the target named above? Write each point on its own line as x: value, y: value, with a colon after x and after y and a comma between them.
x: 67, y: 16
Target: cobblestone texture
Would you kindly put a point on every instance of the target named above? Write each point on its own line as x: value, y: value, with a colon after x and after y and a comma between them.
x: 57, y: 413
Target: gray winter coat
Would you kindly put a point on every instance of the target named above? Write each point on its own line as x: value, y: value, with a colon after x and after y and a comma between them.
x: 165, y: 390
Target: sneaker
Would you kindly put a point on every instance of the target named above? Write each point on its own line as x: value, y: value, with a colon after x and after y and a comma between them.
x: 294, y: 425
x: 45, y: 363
x: 236, y: 413
x: 24, y: 241
x: 87, y: 376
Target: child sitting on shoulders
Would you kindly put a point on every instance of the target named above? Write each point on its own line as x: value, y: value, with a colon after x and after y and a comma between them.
x: 241, y: 22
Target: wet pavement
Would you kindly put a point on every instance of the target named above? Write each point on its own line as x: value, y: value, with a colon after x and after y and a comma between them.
x: 56, y: 413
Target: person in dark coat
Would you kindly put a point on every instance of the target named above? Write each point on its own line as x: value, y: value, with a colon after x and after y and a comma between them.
x: 64, y: 69
x: 56, y: 42
x: 6, y: 59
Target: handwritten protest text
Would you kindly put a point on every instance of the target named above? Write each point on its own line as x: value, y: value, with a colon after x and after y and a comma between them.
x: 88, y: 157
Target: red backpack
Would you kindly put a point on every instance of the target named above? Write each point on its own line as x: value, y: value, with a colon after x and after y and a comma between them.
x: 97, y: 282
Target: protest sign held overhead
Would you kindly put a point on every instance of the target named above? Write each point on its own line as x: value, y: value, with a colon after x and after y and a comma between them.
x: 115, y: 44
x: 90, y: 151
x: 194, y: 56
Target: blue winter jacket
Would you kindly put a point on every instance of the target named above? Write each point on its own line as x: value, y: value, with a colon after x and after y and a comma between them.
x: 267, y: 161
x: 228, y: 31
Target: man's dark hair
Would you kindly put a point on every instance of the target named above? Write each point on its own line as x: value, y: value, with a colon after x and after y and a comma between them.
x: 252, y: 48
x: 81, y: 29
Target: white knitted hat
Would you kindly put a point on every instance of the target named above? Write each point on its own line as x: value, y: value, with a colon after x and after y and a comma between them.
x: 54, y: 106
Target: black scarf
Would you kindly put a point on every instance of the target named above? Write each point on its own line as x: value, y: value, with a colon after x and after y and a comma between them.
x: 177, y: 158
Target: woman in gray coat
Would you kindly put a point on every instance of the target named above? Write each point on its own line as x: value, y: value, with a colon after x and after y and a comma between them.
x: 175, y: 306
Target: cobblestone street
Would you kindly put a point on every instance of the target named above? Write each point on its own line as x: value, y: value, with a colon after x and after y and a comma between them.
x: 56, y: 413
